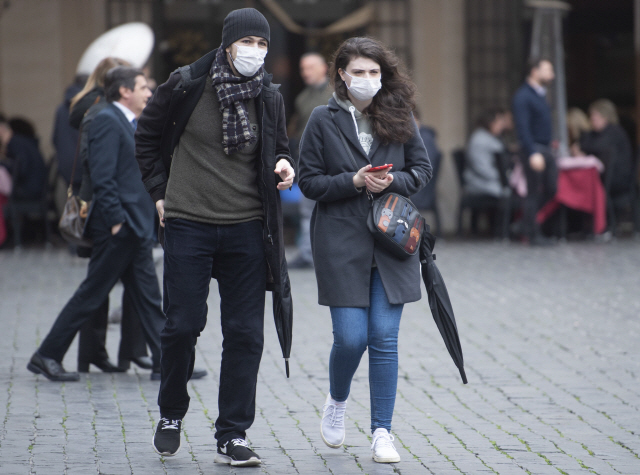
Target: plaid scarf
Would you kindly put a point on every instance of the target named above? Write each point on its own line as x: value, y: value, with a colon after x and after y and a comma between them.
x: 233, y: 92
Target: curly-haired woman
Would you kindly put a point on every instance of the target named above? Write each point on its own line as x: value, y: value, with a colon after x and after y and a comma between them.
x: 364, y: 286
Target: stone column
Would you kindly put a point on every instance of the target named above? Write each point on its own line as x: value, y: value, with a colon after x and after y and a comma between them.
x: 546, y: 42
x: 439, y: 71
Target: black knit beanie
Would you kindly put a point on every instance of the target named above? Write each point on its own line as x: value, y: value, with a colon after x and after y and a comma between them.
x: 244, y: 22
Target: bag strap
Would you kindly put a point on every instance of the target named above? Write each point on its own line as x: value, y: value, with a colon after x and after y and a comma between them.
x: 75, y: 162
x: 344, y: 141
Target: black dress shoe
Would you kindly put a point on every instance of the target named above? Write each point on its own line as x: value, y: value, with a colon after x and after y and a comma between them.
x: 50, y: 369
x: 105, y: 365
x: 144, y: 362
x: 197, y: 374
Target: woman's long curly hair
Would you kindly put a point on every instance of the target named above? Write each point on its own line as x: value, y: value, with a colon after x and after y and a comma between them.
x: 391, y: 108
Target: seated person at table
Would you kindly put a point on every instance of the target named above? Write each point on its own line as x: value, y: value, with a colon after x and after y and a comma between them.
x: 577, y: 125
x: 609, y: 142
x: 481, y: 172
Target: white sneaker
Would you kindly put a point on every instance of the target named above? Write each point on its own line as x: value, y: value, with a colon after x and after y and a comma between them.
x: 332, y: 427
x: 382, y: 449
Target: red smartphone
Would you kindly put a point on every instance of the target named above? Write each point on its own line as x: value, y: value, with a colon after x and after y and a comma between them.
x: 380, y: 168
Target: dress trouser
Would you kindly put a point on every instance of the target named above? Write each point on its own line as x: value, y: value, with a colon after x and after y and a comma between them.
x: 93, y: 334
x: 541, y: 187
x: 234, y: 255
x: 123, y: 256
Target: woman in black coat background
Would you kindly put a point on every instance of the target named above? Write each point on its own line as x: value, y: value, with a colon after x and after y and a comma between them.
x: 364, y: 285
x: 609, y: 142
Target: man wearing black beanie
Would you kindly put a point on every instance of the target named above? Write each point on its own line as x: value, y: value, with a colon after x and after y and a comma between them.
x: 213, y: 151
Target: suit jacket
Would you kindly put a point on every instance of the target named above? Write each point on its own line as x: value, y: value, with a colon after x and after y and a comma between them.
x: 118, y: 193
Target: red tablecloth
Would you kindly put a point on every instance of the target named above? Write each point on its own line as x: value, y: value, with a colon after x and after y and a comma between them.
x: 580, y: 189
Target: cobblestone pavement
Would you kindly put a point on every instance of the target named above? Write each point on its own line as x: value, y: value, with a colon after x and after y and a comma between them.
x: 550, y: 338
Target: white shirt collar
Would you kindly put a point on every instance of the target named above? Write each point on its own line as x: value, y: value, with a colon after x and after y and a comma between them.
x: 541, y: 90
x: 126, y: 111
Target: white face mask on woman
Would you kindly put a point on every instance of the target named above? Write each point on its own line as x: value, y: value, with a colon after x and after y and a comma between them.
x: 248, y: 60
x: 363, y: 89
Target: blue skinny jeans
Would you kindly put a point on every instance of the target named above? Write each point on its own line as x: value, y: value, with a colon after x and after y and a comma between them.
x: 375, y: 327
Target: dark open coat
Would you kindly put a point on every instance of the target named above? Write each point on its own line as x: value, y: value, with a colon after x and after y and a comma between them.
x: 162, y: 123
x: 343, y: 248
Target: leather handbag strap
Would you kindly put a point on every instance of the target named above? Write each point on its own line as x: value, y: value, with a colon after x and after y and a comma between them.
x: 75, y: 162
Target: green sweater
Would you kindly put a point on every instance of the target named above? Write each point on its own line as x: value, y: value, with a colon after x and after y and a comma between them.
x: 206, y: 184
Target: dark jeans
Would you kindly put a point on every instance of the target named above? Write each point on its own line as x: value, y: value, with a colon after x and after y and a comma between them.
x: 123, y: 256
x: 93, y: 334
x: 541, y: 187
x: 234, y: 255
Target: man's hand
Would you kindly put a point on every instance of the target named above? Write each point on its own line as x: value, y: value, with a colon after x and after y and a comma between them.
x: 536, y: 161
x: 115, y: 229
x: 160, y: 208
x: 84, y: 209
x: 283, y: 168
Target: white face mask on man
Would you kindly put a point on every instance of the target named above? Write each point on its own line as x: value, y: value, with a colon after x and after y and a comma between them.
x: 248, y: 60
x: 363, y: 89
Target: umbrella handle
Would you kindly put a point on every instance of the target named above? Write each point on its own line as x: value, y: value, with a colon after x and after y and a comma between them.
x: 286, y: 365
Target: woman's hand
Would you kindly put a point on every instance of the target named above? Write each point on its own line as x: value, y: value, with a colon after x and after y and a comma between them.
x: 378, y: 185
x: 286, y: 172
x: 576, y: 151
x: 358, y: 178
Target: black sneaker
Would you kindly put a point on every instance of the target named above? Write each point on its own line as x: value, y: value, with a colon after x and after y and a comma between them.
x: 166, y: 440
x: 236, y: 452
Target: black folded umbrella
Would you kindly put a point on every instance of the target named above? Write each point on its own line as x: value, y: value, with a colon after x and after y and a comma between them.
x: 283, y: 317
x: 439, y: 301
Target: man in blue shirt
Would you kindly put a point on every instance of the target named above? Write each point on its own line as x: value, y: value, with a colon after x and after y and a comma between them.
x: 532, y: 116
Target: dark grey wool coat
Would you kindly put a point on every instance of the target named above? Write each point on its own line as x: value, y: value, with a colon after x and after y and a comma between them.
x: 343, y: 247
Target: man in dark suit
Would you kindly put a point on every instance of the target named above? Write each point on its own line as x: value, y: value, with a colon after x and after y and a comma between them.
x: 121, y: 225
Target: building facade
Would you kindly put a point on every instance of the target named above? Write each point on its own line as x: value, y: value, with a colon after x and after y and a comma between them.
x: 464, y: 55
